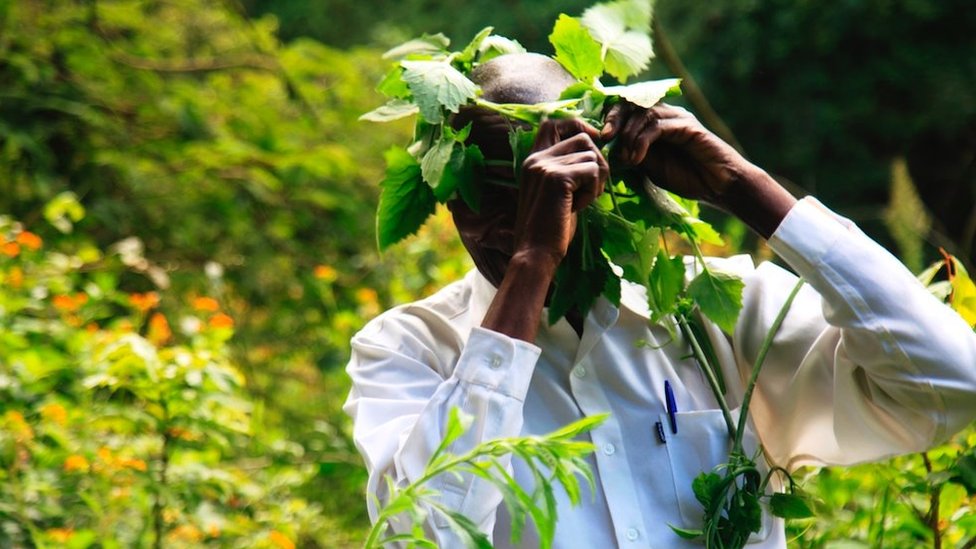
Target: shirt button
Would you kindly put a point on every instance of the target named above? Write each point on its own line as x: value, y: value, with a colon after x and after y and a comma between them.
x: 632, y: 534
x: 496, y: 361
x: 579, y: 371
x: 609, y: 449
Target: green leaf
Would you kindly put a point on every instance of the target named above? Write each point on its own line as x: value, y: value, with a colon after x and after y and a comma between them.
x: 667, y: 280
x: 745, y: 513
x: 582, y: 276
x: 457, y: 423
x: 405, y: 200
x: 536, y: 112
x: 719, y: 295
x: 703, y: 231
x: 646, y: 94
x: 392, y: 110
x: 393, y: 85
x: 704, y: 487
x: 964, y: 472
x: 428, y: 44
x: 686, y: 533
x: 494, y: 46
x: 437, y: 86
x: 435, y: 160
x: 622, y: 29
x: 576, y: 50
x: 469, y: 51
x: 963, y: 298
x: 789, y: 506
x: 469, y: 177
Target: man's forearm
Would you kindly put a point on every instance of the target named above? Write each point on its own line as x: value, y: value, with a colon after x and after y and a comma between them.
x: 758, y: 200
x: 517, y: 307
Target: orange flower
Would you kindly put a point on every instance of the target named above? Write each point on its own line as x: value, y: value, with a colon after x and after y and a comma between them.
x: 55, y: 413
x: 213, y: 531
x: 76, y: 463
x: 367, y: 296
x: 220, y: 320
x: 326, y: 273
x: 280, y: 540
x: 159, y: 331
x: 69, y: 303
x: 29, y: 240
x: 133, y: 463
x: 61, y: 535
x: 207, y: 304
x: 91, y: 327
x: 144, y: 302
x: 10, y: 249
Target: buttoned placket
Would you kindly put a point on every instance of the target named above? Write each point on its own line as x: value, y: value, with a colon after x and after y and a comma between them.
x: 615, y: 474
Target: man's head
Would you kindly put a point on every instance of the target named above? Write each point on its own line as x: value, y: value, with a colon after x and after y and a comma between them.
x: 523, y: 78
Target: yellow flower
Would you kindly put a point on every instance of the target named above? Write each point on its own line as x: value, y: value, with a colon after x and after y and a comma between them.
x: 55, y: 413
x: 280, y: 540
x: 16, y: 277
x: 29, y: 240
x: 61, y: 535
x: 76, y: 463
x: 18, y: 425
x: 207, y: 304
x: 326, y: 273
x: 186, y: 532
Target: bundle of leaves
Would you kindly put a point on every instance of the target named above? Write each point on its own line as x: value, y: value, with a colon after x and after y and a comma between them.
x: 626, y: 226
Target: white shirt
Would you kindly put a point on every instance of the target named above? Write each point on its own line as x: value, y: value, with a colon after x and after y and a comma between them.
x: 867, y: 365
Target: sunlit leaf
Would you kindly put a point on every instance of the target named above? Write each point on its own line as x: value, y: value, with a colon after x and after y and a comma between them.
x: 576, y: 50
x: 719, y: 295
x: 437, y: 86
x: 405, y: 201
x: 646, y: 94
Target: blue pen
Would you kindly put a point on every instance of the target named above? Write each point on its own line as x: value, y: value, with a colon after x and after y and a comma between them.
x: 672, y: 407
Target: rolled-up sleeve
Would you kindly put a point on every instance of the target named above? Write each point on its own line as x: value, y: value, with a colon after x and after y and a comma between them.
x: 868, y: 363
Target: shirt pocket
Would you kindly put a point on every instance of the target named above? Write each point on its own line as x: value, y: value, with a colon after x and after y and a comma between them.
x: 700, y: 445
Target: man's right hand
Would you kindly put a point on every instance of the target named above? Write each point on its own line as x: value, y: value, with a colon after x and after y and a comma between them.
x: 564, y: 174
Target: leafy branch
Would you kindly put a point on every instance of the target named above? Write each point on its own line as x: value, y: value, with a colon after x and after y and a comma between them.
x: 555, y: 458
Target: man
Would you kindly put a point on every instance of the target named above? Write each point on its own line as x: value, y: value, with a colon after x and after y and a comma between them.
x: 866, y: 365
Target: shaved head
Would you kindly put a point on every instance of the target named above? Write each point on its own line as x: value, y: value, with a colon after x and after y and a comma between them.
x: 522, y: 78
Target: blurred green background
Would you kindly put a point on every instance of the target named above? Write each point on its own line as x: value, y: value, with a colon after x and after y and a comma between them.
x: 186, y: 239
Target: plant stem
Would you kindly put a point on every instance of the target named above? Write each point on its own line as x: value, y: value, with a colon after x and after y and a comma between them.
x: 709, y: 372
x: 766, y: 345
x: 932, y: 518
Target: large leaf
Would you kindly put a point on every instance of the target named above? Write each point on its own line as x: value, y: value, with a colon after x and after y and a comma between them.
x: 436, y: 86
x: 576, y: 50
x: 462, y: 175
x: 719, y: 295
x: 622, y: 29
x: 789, y: 506
x: 405, y: 200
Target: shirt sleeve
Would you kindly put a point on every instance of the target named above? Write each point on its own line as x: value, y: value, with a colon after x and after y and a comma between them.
x: 868, y: 364
x: 406, y: 378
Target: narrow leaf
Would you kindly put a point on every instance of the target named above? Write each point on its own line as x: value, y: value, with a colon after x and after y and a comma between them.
x: 686, y: 533
x: 392, y: 110
x: 469, y: 51
x: 719, y: 295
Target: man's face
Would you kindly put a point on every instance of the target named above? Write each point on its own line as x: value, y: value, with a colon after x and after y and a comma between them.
x: 489, y: 234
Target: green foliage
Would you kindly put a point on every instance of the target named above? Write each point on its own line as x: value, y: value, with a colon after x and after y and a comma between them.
x: 576, y: 50
x: 554, y: 459
x: 117, y: 430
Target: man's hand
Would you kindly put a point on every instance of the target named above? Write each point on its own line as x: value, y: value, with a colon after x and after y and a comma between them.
x: 564, y: 174
x: 679, y: 154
